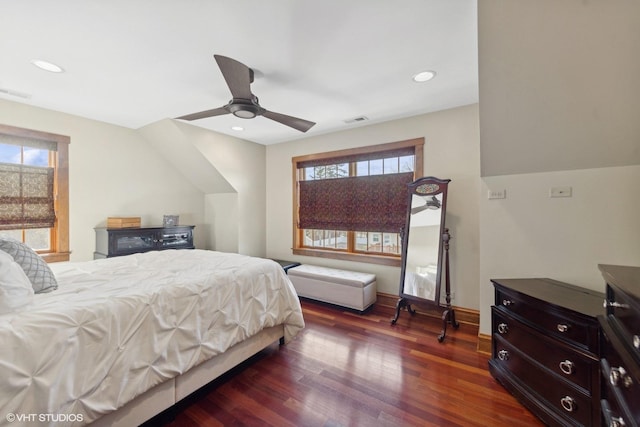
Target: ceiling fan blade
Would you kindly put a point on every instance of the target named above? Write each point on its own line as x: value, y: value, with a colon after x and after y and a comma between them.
x: 237, y: 75
x: 418, y: 209
x: 203, y: 114
x: 294, y: 122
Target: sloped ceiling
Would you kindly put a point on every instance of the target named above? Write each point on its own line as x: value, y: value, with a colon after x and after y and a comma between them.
x: 167, y: 137
x: 559, y: 86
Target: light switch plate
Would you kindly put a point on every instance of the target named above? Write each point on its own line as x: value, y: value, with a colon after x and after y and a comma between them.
x: 497, y: 194
x: 560, y: 192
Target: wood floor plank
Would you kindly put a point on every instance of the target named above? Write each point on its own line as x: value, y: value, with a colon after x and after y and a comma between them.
x: 352, y: 369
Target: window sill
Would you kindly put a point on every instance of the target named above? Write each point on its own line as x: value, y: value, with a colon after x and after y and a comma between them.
x: 368, y: 258
x: 55, y: 256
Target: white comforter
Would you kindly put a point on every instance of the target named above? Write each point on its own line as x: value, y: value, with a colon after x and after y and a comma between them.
x: 117, y: 327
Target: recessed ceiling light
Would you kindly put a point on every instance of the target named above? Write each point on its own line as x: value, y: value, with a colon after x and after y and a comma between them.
x: 237, y: 128
x: 47, y: 66
x: 424, y: 76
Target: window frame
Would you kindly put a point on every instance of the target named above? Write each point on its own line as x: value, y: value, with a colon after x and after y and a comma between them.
x: 349, y: 255
x: 59, y: 250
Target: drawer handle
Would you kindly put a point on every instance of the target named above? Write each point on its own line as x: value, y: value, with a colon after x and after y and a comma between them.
x: 568, y: 403
x: 614, y: 304
x: 507, y: 302
x: 562, y: 327
x: 567, y: 367
x: 618, y: 374
x: 610, y: 419
x: 503, y: 328
x: 503, y: 355
x: 617, y: 422
x: 636, y: 342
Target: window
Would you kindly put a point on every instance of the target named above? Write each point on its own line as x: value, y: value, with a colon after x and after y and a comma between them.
x: 351, y: 204
x: 34, y: 190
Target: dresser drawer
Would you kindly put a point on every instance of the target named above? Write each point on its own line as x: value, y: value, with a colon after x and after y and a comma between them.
x: 613, y: 416
x: 621, y: 375
x: 565, y: 400
x: 623, y: 311
x: 574, y: 366
x: 551, y: 320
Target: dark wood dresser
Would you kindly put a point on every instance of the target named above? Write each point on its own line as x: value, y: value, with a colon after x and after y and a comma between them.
x: 621, y: 346
x: 112, y: 242
x: 546, y: 348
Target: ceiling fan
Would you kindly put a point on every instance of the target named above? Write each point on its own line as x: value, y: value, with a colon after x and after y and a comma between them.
x: 434, y: 203
x: 244, y: 103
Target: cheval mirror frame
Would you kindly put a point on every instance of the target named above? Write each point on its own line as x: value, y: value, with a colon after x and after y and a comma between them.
x: 425, y: 251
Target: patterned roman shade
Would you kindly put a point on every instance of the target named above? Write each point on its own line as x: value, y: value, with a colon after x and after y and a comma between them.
x: 363, y: 203
x: 26, y: 191
x: 26, y: 196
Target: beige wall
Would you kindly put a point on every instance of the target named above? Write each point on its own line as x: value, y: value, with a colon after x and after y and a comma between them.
x: 229, y: 171
x: 113, y: 172
x: 451, y: 151
x: 529, y: 234
x: 238, y: 217
x: 558, y: 107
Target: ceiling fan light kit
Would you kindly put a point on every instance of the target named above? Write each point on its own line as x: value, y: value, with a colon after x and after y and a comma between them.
x: 243, y: 109
x: 244, y: 104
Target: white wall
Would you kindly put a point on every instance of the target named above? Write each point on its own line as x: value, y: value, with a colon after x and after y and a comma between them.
x: 451, y: 151
x: 529, y: 234
x: 112, y: 172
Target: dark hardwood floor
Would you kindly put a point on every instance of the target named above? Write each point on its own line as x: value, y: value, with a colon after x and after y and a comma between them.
x: 348, y: 369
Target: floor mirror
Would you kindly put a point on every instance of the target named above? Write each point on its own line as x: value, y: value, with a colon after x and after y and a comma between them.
x: 425, y: 252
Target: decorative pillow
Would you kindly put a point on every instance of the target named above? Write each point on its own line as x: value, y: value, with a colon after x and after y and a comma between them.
x: 15, y: 287
x: 36, y: 269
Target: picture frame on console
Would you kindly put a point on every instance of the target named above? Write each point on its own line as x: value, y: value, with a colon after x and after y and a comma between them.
x: 170, y: 220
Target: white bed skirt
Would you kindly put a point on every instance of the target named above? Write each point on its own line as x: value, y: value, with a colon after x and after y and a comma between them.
x: 165, y: 395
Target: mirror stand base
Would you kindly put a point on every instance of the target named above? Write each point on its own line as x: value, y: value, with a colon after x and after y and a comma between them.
x: 448, y: 316
x: 402, y: 303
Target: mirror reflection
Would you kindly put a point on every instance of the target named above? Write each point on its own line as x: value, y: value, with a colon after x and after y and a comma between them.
x: 425, y: 251
x: 421, y: 270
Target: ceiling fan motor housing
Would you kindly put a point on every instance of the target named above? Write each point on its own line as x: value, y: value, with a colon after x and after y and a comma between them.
x: 244, y: 108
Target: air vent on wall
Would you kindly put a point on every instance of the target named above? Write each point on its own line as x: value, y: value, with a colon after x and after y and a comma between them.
x: 14, y: 93
x: 357, y: 119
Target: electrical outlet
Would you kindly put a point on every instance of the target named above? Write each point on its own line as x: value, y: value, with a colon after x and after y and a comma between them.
x: 497, y: 194
x: 560, y: 192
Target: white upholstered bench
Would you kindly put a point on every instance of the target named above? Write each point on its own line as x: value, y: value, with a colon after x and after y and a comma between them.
x: 341, y: 287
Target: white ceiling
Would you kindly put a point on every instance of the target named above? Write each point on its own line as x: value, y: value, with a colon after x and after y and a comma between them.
x: 135, y: 62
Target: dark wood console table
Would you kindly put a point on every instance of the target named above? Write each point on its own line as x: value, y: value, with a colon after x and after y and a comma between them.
x: 111, y: 242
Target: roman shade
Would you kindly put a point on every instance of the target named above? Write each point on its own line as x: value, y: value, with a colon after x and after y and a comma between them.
x: 26, y: 197
x: 363, y: 203
x: 26, y: 191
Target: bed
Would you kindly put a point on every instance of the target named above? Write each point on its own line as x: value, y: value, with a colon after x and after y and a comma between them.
x: 122, y: 339
x: 422, y: 283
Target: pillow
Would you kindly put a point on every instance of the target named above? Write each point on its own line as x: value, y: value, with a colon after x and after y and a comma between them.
x: 36, y: 269
x: 15, y: 287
